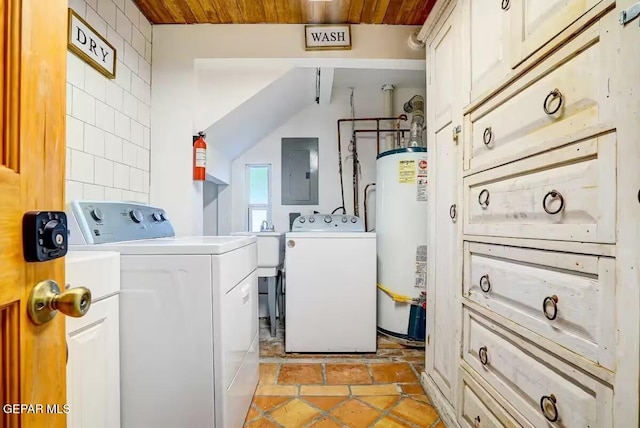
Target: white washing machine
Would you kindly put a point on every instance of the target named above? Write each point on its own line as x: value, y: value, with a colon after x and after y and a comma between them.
x: 330, y: 265
x: 188, y: 316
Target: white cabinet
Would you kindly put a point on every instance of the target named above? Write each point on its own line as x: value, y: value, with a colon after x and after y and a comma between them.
x: 567, y: 298
x: 536, y: 22
x: 443, y: 282
x: 543, y: 388
x: 488, y: 24
x: 93, y: 365
x: 533, y: 304
x: 567, y: 194
x: 478, y: 409
x: 563, y: 97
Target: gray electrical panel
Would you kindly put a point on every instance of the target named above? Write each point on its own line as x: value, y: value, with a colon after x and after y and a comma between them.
x: 299, y: 171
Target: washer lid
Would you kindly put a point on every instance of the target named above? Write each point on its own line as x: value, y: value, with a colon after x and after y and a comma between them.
x: 213, y: 245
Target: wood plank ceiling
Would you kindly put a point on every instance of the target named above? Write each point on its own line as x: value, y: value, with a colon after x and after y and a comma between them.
x: 395, y: 12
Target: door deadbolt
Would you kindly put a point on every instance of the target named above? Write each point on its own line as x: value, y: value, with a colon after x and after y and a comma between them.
x: 46, y: 300
x: 44, y: 235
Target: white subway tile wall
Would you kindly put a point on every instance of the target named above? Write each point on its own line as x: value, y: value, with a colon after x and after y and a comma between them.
x: 108, y: 136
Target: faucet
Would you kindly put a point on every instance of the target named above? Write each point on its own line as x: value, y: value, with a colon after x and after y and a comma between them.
x: 264, y: 227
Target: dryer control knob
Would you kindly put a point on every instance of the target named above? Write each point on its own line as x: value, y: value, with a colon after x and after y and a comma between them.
x: 327, y: 219
x: 344, y: 219
x: 136, y: 216
x: 353, y: 219
x: 157, y: 216
x: 97, y: 215
x: 312, y: 219
x: 301, y: 219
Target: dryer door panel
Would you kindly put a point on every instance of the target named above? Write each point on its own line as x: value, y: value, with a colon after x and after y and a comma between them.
x: 238, y: 324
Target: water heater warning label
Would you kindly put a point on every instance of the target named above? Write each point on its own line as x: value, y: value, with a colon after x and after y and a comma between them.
x: 407, y: 171
x: 421, y: 266
x: 421, y: 181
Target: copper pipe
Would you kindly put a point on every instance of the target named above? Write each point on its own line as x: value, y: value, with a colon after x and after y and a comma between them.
x: 356, y: 179
x: 355, y: 155
x: 370, y: 119
x: 366, y: 221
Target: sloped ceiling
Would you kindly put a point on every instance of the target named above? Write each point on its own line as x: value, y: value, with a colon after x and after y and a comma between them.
x: 223, y: 89
x: 268, y: 109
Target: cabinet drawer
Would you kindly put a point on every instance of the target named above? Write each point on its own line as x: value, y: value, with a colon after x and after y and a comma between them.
x: 568, y: 194
x: 564, y: 96
x: 531, y: 379
x: 478, y: 408
x: 535, y: 22
x: 567, y: 298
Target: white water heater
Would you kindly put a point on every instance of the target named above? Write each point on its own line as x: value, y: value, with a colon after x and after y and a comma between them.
x: 401, y: 228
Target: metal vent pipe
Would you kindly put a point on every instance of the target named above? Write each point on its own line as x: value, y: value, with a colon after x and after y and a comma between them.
x: 387, y: 110
x: 415, y: 106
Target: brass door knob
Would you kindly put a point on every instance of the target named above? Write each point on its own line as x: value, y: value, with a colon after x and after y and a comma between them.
x: 46, y: 300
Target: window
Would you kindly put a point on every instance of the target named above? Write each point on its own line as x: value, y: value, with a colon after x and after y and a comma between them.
x: 258, y: 196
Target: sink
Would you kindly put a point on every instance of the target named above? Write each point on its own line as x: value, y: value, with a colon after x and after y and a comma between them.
x: 270, y: 247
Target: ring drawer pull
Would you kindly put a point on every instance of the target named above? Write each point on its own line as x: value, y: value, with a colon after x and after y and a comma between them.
x: 452, y: 212
x: 506, y: 4
x: 482, y: 354
x: 551, y: 97
x: 483, y: 198
x: 485, y: 284
x: 553, y: 194
x: 550, y: 302
x: 487, y: 136
x: 549, y: 408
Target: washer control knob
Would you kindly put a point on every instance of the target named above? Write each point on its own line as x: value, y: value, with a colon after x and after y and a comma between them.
x: 354, y: 220
x: 312, y: 219
x: 97, y: 215
x: 344, y: 219
x: 164, y: 216
x: 301, y: 219
x: 327, y: 219
x: 136, y: 216
x: 157, y: 216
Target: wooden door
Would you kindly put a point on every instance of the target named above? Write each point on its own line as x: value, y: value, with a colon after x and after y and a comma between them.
x: 32, y: 145
x: 444, y: 115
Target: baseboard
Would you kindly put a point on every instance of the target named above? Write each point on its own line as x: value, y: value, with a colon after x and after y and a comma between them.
x: 446, y: 412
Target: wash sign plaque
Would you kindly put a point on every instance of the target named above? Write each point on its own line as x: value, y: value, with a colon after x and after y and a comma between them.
x: 88, y: 44
x: 327, y: 37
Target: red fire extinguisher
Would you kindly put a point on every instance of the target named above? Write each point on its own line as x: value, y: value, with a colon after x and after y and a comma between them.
x: 199, y: 158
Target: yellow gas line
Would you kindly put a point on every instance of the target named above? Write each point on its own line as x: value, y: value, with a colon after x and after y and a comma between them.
x: 395, y: 296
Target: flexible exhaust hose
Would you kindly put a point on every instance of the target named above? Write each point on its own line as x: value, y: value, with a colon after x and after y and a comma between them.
x: 415, y: 106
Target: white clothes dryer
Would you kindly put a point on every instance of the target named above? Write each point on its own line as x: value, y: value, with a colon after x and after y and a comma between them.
x: 188, y: 316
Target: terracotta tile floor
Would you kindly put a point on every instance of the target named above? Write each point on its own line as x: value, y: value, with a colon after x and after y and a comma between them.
x: 380, y: 390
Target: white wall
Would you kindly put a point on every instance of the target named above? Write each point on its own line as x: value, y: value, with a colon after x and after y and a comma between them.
x: 210, y: 203
x: 318, y: 121
x: 108, y: 121
x: 177, y: 47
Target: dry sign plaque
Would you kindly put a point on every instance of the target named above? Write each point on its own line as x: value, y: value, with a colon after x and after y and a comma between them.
x: 88, y: 44
x: 327, y: 37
